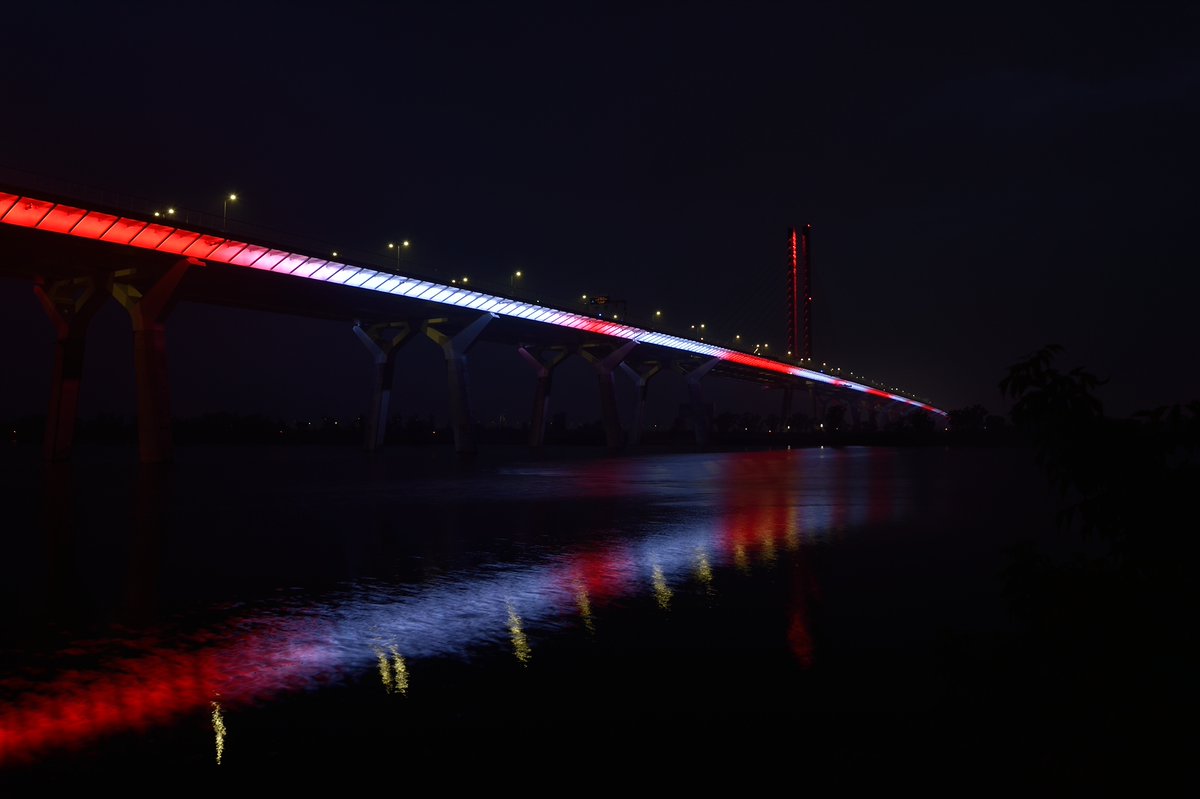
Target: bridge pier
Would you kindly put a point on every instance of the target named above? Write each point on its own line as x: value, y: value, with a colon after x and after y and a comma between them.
x: 383, y: 342
x: 544, y: 367
x: 874, y: 415
x: 785, y: 410
x: 455, y: 348
x: 641, y: 381
x: 815, y: 412
x: 148, y: 313
x: 701, y: 413
x: 70, y: 304
x: 604, y: 366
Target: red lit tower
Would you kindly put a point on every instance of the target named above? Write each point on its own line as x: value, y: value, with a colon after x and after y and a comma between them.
x: 806, y: 253
x: 799, y: 294
x: 793, y: 295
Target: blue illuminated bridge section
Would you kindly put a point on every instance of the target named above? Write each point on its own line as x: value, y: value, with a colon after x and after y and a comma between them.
x: 18, y: 210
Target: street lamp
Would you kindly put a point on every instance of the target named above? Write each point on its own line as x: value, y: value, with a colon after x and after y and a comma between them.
x: 514, y: 277
x: 230, y: 198
x: 403, y: 245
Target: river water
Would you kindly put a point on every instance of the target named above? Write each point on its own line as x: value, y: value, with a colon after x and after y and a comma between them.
x: 825, y: 611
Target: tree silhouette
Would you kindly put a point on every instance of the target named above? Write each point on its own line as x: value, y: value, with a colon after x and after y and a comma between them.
x: 971, y: 419
x: 1117, y: 617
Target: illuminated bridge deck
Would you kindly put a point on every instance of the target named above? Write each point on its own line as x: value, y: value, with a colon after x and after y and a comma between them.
x: 58, y: 238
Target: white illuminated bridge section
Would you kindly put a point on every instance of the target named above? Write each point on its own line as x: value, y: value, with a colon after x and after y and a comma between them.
x: 67, y: 220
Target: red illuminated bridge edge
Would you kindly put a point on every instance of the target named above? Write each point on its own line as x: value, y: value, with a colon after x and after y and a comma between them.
x: 53, y: 217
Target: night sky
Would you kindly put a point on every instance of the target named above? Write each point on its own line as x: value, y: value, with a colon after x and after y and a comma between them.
x: 981, y: 181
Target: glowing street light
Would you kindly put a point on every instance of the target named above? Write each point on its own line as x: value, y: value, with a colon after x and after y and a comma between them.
x: 229, y: 198
x: 403, y: 245
x: 514, y: 277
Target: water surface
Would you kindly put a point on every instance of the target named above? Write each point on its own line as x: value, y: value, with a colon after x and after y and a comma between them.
x: 274, y: 609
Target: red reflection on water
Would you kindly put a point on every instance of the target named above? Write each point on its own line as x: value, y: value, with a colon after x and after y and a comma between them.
x: 137, y: 693
x: 762, y: 514
x: 603, y: 573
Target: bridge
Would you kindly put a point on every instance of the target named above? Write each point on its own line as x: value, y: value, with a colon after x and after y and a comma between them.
x: 78, y: 254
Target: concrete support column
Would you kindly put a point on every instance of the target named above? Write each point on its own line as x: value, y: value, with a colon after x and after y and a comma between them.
x: 641, y: 379
x: 455, y: 349
x: 856, y: 414
x: 701, y: 413
x: 70, y: 304
x: 814, y: 413
x: 887, y: 415
x: 785, y: 411
x: 383, y: 342
x: 822, y: 405
x: 149, y: 313
x: 543, y: 362
x: 604, y: 366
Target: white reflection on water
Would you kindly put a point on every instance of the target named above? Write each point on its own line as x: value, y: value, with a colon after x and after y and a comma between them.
x: 312, y: 642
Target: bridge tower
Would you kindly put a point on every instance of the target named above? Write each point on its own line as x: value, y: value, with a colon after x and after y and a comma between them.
x: 806, y: 254
x: 799, y: 293
x: 793, y: 288
x: 799, y: 309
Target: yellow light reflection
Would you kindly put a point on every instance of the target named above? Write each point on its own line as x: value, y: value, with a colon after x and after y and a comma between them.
x: 768, y: 547
x: 520, y: 642
x: 704, y: 570
x: 585, y: 607
x: 385, y: 670
x: 400, y: 672
x: 218, y: 723
x: 792, y: 538
x: 740, y: 559
x: 661, y: 592
x: 393, y: 674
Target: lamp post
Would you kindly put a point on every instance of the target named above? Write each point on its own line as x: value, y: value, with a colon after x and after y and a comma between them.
x: 514, y: 278
x: 403, y: 245
x: 229, y: 198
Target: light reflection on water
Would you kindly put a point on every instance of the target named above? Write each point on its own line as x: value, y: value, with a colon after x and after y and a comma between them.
x: 701, y: 514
